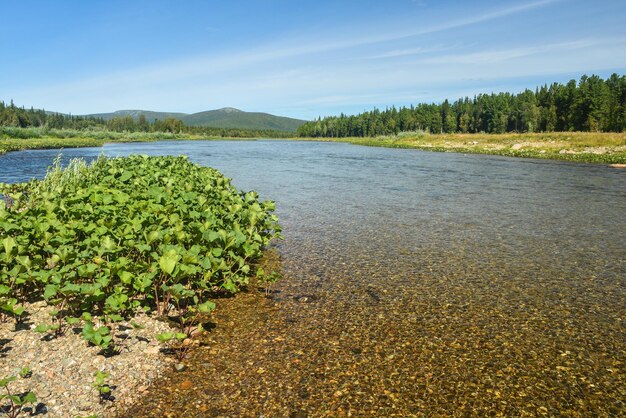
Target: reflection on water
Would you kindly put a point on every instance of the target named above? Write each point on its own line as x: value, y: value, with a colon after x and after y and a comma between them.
x: 415, y: 283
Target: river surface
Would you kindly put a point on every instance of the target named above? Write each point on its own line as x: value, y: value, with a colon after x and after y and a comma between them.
x: 415, y: 284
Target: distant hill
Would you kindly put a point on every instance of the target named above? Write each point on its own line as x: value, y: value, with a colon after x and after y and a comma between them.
x: 150, y: 116
x: 227, y: 117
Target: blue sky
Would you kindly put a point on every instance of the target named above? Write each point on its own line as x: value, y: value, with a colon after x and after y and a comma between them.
x: 296, y: 58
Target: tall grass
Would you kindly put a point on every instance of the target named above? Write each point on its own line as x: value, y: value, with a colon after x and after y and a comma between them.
x: 14, y: 139
x: 9, y: 132
x: 59, y: 177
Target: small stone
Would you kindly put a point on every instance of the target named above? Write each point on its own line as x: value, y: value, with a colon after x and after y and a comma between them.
x: 187, y: 384
x: 68, y: 362
x: 152, y: 350
x: 43, y: 394
x: 84, y: 406
x: 179, y: 367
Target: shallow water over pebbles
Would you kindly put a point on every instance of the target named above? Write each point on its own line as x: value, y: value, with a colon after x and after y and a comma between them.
x: 415, y: 284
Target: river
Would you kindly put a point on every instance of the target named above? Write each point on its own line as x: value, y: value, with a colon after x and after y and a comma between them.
x: 415, y: 283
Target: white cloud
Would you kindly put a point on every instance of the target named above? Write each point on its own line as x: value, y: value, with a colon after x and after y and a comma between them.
x: 492, y: 56
x: 396, y: 53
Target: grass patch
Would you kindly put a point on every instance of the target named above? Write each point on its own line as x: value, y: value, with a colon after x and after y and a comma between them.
x: 590, y: 147
x: 17, y: 139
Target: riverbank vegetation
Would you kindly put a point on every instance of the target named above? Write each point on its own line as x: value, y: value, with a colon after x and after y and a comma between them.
x: 590, y: 147
x: 591, y: 105
x: 54, y: 129
x: 16, y: 139
x: 118, y: 258
x: 101, y: 241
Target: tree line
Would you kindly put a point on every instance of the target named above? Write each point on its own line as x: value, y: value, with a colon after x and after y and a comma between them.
x: 593, y: 104
x: 20, y: 117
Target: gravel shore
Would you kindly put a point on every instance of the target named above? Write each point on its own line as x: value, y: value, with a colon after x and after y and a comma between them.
x: 63, y: 368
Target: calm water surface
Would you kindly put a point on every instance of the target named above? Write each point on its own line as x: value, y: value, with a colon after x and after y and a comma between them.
x: 415, y: 284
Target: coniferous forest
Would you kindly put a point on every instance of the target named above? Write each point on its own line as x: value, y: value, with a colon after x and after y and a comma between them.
x: 590, y: 105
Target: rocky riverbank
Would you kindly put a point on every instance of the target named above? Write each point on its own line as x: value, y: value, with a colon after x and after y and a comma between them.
x: 63, y: 368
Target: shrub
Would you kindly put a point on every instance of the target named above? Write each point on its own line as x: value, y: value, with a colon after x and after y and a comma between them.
x: 128, y: 233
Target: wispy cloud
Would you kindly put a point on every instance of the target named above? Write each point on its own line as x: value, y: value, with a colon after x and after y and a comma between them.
x: 215, y: 65
x: 318, y: 47
x: 492, y: 56
x: 396, y: 53
x: 470, y: 20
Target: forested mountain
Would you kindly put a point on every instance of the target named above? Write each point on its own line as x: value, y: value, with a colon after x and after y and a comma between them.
x: 592, y: 104
x: 12, y: 116
x: 148, y: 114
x: 227, y: 117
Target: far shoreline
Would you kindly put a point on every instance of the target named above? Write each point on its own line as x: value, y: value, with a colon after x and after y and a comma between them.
x: 584, y: 147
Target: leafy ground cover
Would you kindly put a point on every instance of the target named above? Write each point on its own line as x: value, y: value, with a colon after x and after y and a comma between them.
x: 100, y: 241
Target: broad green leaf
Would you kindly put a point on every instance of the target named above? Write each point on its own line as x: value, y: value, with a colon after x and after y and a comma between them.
x: 30, y: 397
x: 126, y: 175
x: 25, y: 372
x: 165, y: 336
x: 125, y: 276
x: 42, y: 328
x: 206, y: 307
x: 50, y: 291
x: 168, y: 261
x: 4, y: 382
x: 72, y: 320
x: 108, y: 244
x: 9, y: 244
x: 24, y: 260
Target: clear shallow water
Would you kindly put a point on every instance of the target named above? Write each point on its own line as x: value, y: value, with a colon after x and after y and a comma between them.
x: 415, y: 283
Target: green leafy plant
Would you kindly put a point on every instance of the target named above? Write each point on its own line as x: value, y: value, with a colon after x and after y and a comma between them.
x: 267, y: 280
x: 16, y: 402
x: 101, y: 385
x: 175, y: 341
x: 188, y: 322
x: 100, y: 336
x: 122, y: 234
x: 8, y: 307
x: 8, y: 303
x: 25, y: 372
x: 59, y: 325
